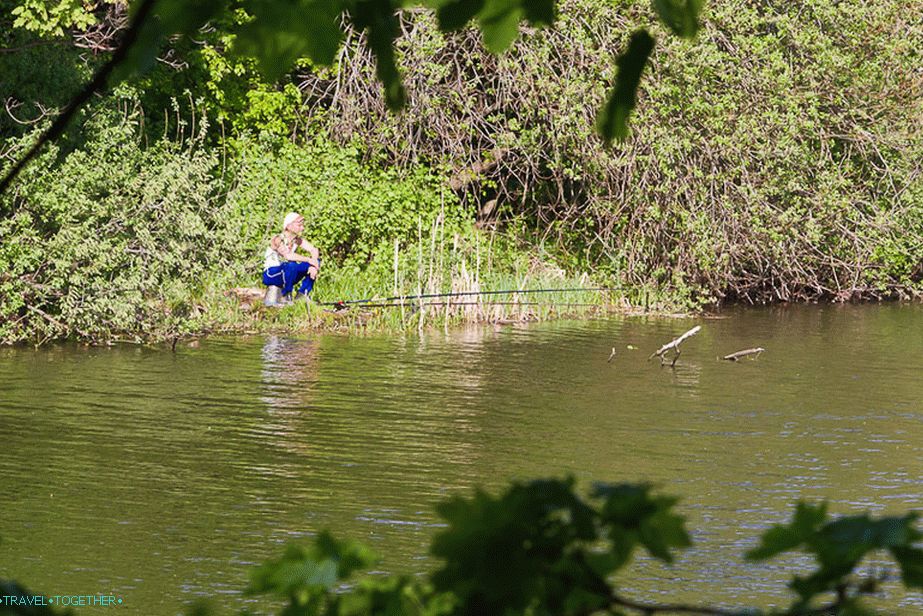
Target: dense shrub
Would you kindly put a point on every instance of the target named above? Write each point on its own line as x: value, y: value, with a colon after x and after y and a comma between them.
x: 351, y: 208
x: 114, y: 238
x: 777, y: 157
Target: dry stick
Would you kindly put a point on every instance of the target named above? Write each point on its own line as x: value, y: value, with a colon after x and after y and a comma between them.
x: 674, y: 344
x: 95, y: 85
x: 735, y: 356
x: 396, y: 268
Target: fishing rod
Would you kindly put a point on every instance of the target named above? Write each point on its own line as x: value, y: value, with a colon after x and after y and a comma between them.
x: 340, y: 305
x: 483, y: 304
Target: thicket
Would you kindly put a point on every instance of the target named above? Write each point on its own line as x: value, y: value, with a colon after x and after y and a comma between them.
x: 113, y: 238
x: 776, y: 157
x: 541, y: 548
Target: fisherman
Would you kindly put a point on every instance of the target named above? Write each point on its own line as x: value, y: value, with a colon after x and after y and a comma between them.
x: 283, y: 267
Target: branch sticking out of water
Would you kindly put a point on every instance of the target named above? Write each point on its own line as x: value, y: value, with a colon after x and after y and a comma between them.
x: 673, y: 344
x: 736, y: 356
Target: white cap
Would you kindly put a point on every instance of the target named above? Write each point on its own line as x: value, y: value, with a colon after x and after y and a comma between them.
x: 289, y: 219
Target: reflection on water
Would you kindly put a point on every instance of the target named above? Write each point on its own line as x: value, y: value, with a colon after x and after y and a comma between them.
x: 289, y: 372
x: 163, y: 477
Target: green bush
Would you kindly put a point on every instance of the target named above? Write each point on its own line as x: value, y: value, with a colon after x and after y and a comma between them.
x: 114, y: 238
x: 773, y: 158
x: 540, y: 548
x: 351, y: 207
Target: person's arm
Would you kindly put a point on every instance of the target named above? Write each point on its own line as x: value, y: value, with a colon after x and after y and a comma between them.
x: 291, y: 255
x: 312, y: 250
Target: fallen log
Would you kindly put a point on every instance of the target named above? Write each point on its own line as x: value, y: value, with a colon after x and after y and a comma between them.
x: 736, y: 356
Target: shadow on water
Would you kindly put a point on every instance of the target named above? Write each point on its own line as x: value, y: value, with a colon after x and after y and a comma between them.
x: 163, y: 477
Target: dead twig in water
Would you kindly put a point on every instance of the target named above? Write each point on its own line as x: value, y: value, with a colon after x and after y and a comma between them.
x: 611, y: 355
x: 673, y: 344
x: 736, y: 356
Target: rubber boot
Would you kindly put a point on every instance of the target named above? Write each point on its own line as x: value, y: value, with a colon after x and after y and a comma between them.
x: 273, y: 296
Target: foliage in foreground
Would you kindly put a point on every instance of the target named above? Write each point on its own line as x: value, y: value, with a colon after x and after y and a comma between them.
x: 540, y: 548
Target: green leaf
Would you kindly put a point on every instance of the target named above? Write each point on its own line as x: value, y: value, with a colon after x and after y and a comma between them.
x: 184, y: 17
x: 911, y: 563
x: 377, y: 17
x: 292, y: 573
x: 854, y: 607
x: 498, y: 19
x: 778, y: 539
x: 309, y: 573
x: 282, y: 32
x: 613, y: 121
x: 166, y: 18
x: 663, y: 531
x: 540, y: 12
x: 634, y: 517
x: 521, y: 550
x: 816, y: 583
x: 454, y: 15
x: 622, y: 546
x: 681, y: 16
x: 142, y: 54
x: 499, y: 22
x: 397, y: 596
x: 846, y: 541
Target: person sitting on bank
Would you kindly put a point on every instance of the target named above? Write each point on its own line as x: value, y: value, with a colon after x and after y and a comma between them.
x: 283, y: 267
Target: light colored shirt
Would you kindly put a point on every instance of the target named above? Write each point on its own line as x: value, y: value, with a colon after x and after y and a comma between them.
x: 273, y: 258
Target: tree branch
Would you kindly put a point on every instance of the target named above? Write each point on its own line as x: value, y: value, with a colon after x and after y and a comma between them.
x: 679, y: 608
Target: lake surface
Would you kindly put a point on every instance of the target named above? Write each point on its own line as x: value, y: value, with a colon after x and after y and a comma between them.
x: 162, y: 477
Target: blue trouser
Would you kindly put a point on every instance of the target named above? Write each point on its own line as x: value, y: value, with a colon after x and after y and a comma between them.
x: 288, y: 275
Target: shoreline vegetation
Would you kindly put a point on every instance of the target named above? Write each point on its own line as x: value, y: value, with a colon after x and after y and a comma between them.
x: 775, y: 158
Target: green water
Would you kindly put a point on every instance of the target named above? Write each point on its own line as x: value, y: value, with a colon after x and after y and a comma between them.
x: 162, y: 477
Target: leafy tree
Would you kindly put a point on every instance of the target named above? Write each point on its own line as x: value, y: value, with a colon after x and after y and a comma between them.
x: 540, y: 548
